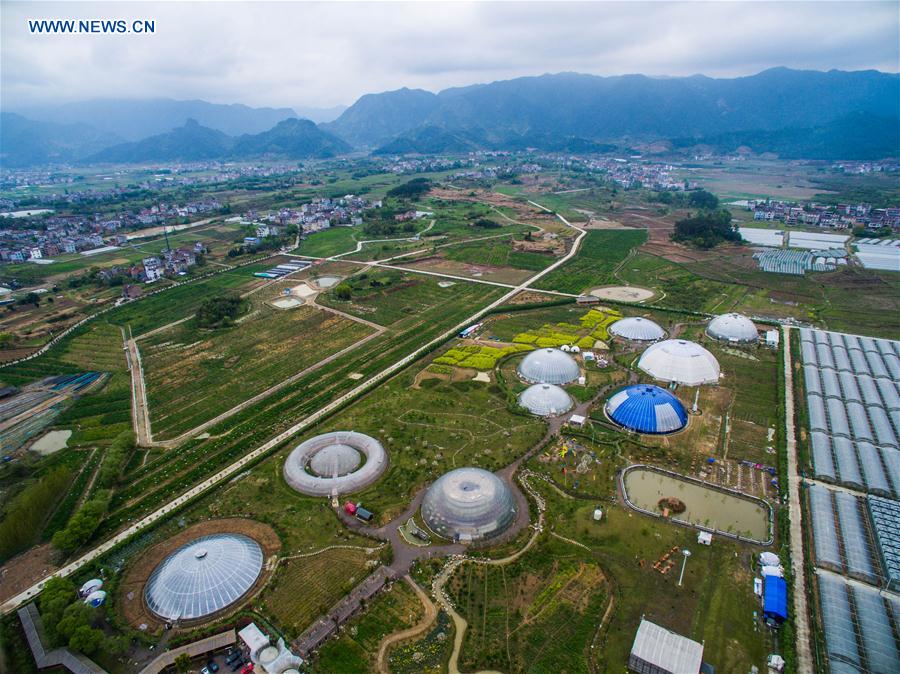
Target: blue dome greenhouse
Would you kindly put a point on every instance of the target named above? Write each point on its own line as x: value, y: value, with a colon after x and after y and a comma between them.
x: 647, y: 409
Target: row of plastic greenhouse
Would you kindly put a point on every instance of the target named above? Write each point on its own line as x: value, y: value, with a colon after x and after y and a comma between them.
x: 859, y: 624
x: 859, y: 465
x: 853, y: 401
x: 840, y: 539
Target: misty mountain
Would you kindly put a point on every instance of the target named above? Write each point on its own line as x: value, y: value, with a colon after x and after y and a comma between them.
x: 320, y: 115
x: 137, y: 119
x: 617, y: 109
x: 25, y: 142
x: 860, y: 136
x: 377, y: 118
x: 289, y: 139
x: 293, y: 138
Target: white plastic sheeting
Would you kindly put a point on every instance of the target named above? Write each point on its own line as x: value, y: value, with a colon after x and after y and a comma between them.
x: 637, y: 329
x: 732, y: 328
x: 680, y: 361
x: 300, y: 475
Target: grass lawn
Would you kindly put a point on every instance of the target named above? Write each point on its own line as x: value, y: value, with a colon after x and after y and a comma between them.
x: 194, y: 374
x: 497, y: 253
x: 328, y: 242
x: 600, y: 253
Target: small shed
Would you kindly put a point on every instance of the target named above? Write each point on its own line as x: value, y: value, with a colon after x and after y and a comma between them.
x: 363, y: 514
x: 657, y: 650
x: 704, y: 538
x: 577, y: 420
x: 775, y: 609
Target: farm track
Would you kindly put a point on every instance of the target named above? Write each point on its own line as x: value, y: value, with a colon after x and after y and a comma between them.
x: 304, y: 424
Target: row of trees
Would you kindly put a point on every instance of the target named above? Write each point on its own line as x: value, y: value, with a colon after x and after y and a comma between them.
x: 27, y: 511
x: 82, y: 525
x: 115, y: 458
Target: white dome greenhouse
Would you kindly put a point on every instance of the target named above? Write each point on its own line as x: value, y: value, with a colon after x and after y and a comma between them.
x: 329, y: 464
x: 545, y: 400
x: 680, y: 361
x: 468, y: 504
x: 732, y: 328
x: 203, y: 577
x: 548, y: 366
x: 637, y: 329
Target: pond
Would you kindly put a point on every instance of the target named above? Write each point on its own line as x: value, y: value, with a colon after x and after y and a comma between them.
x: 705, y: 506
x: 51, y: 442
x: 328, y: 281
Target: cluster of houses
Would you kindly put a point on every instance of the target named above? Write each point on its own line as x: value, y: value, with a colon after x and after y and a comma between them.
x: 170, y: 262
x: 629, y: 175
x: 842, y: 216
x: 317, y: 215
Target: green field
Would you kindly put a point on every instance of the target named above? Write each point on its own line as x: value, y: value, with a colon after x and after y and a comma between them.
x: 331, y: 241
x: 497, y: 253
x: 538, y: 614
x: 601, y: 252
x: 194, y: 374
x: 306, y: 587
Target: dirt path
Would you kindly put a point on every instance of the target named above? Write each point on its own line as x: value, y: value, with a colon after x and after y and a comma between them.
x: 410, y: 633
x: 140, y: 409
x: 798, y: 563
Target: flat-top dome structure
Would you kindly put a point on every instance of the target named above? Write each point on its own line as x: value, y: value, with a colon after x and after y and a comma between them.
x: 334, y: 463
x: 637, y: 329
x: 647, y: 409
x: 468, y: 504
x: 548, y: 366
x: 545, y: 400
x: 732, y: 328
x: 680, y: 361
x: 204, y: 577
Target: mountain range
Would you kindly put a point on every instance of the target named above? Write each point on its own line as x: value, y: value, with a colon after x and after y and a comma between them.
x: 792, y: 113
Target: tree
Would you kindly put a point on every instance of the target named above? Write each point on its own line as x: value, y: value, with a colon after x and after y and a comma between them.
x: 58, y: 593
x: 86, y: 639
x: 706, y: 229
x: 183, y: 663
x: 82, y: 524
x: 7, y: 340
x: 703, y: 199
x: 343, y: 292
x: 217, y: 312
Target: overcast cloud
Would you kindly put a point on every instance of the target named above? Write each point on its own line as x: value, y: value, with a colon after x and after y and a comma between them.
x: 312, y: 54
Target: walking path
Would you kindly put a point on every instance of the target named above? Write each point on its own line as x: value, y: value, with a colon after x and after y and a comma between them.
x: 795, y: 515
x: 410, y: 633
x: 265, y: 448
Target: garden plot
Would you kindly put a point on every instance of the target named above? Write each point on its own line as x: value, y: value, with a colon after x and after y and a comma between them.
x: 193, y: 375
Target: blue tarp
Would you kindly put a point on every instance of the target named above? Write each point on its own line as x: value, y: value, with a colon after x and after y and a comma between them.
x: 775, y: 598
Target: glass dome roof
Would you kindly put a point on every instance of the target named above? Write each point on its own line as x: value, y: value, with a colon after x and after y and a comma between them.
x: 680, y: 361
x: 637, y: 329
x: 204, y: 576
x: 545, y: 400
x: 329, y: 464
x: 732, y: 328
x: 335, y: 460
x: 647, y: 409
x: 548, y: 366
x: 468, y: 504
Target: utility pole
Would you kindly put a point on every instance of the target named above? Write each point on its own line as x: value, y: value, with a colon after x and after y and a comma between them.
x: 166, y: 234
x: 686, y: 553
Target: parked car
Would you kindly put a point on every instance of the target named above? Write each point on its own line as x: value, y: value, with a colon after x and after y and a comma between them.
x: 204, y: 671
x: 212, y: 666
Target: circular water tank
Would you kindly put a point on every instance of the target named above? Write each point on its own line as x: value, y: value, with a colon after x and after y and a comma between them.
x: 680, y: 361
x: 468, y: 504
x: 637, y: 329
x: 545, y: 400
x: 732, y: 328
x: 548, y: 366
x: 646, y: 409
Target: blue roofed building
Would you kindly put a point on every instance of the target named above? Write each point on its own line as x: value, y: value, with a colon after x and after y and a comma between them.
x: 646, y: 408
x: 775, y: 607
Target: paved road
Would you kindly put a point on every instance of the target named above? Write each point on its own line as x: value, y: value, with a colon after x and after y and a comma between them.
x: 795, y: 515
x: 306, y: 423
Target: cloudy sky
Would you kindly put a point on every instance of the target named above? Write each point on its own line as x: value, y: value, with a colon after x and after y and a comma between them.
x: 325, y: 54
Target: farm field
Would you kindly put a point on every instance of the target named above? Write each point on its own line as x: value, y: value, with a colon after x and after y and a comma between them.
x: 193, y: 374
x: 537, y: 614
x: 328, y: 242
x: 601, y: 253
x: 497, y: 253
x: 388, y: 296
x: 306, y: 587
